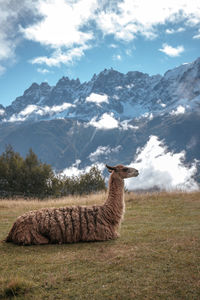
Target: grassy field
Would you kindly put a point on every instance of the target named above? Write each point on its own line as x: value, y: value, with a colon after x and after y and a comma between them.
x: 156, y: 257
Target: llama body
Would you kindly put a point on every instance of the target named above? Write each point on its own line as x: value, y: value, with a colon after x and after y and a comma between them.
x: 75, y: 224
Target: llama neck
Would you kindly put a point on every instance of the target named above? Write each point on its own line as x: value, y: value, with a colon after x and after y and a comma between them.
x: 115, y: 201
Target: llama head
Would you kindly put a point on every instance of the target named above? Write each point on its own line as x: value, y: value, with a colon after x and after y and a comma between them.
x: 122, y: 171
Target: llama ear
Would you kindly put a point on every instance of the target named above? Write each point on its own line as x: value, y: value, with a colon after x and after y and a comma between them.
x: 110, y: 169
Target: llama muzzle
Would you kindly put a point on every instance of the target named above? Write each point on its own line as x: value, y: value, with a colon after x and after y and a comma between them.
x: 134, y: 172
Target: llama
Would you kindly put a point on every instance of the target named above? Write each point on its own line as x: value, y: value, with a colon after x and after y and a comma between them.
x: 75, y: 224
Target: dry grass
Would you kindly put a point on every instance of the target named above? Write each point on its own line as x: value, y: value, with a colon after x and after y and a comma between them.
x: 57, y: 202
x: 14, y: 286
x: 156, y: 257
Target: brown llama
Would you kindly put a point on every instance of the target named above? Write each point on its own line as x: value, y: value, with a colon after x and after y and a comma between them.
x: 75, y: 224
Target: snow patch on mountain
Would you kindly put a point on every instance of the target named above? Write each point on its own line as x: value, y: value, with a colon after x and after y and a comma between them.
x: 124, y: 125
x: 2, y: 112
x: 158, y: 167
x: 106, y: 121
x: 110, y: 98
x: 103, y: 151
x: 130, y: 86
x: 161, y: 103
x: 117, y: 88
x: 97, y: 98
x: 178, y: 111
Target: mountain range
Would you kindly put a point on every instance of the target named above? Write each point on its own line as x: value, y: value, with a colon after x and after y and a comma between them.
x: 107, y: 119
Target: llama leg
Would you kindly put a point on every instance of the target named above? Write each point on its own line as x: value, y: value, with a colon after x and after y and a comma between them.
x: 28, y: 236
x: 37, y: 238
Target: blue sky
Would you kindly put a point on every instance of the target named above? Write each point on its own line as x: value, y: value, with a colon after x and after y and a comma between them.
x: 43, y: 40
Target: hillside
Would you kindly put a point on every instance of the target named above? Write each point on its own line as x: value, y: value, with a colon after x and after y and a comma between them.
x: 156, y: 257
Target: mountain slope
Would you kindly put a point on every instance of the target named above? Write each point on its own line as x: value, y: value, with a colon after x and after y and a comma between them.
x: 106, y: 119
x: 126, y: 95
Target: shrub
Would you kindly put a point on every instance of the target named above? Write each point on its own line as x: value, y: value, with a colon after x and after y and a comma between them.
x: 85, y: 183
x: 30, y: 177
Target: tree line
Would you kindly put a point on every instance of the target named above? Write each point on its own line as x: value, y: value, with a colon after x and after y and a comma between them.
x: 29, y: 177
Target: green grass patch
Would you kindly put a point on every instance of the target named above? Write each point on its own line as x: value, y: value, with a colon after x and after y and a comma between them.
x: 156, y: 257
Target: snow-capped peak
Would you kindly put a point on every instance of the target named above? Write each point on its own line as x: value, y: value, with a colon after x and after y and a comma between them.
x: 110, y: 95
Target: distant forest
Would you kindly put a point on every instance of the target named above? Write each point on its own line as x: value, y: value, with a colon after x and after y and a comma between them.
x: 30, y: 177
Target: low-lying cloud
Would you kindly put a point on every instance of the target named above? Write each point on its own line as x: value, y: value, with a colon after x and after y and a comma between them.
x: 107, y: 121
x: 158, y: 167
x: 40, y: 111
x: 75, y: 170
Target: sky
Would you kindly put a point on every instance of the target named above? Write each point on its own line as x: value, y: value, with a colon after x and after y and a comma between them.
x: 43, y: 40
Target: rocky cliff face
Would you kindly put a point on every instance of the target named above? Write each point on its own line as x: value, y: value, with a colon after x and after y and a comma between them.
x: 125, y: 95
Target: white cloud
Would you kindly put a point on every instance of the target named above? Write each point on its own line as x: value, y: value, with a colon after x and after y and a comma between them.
x: 97, y: 98
x: 125, y: 125
x: 61, y: 23
x: 23, y: 115
x: 28, y: 110
x: 43, y: 71
x: 39, y: 110
x: 59, y: 57
x: 74, y: 169
x: 117, y: 57
x: 114, y: 46
x: 70, y: 28
x: 161, y: 168
x: 59, y: 108
x: 131, y: 18
x: 172, y: 31
x: 179, y: 110
x: 197, y: 36
x: 61, y: 29
x: 6, y: 49
x: 171, y: 51
x: 103, y: 151
x: 12, y: 12
x: 107, y: 121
